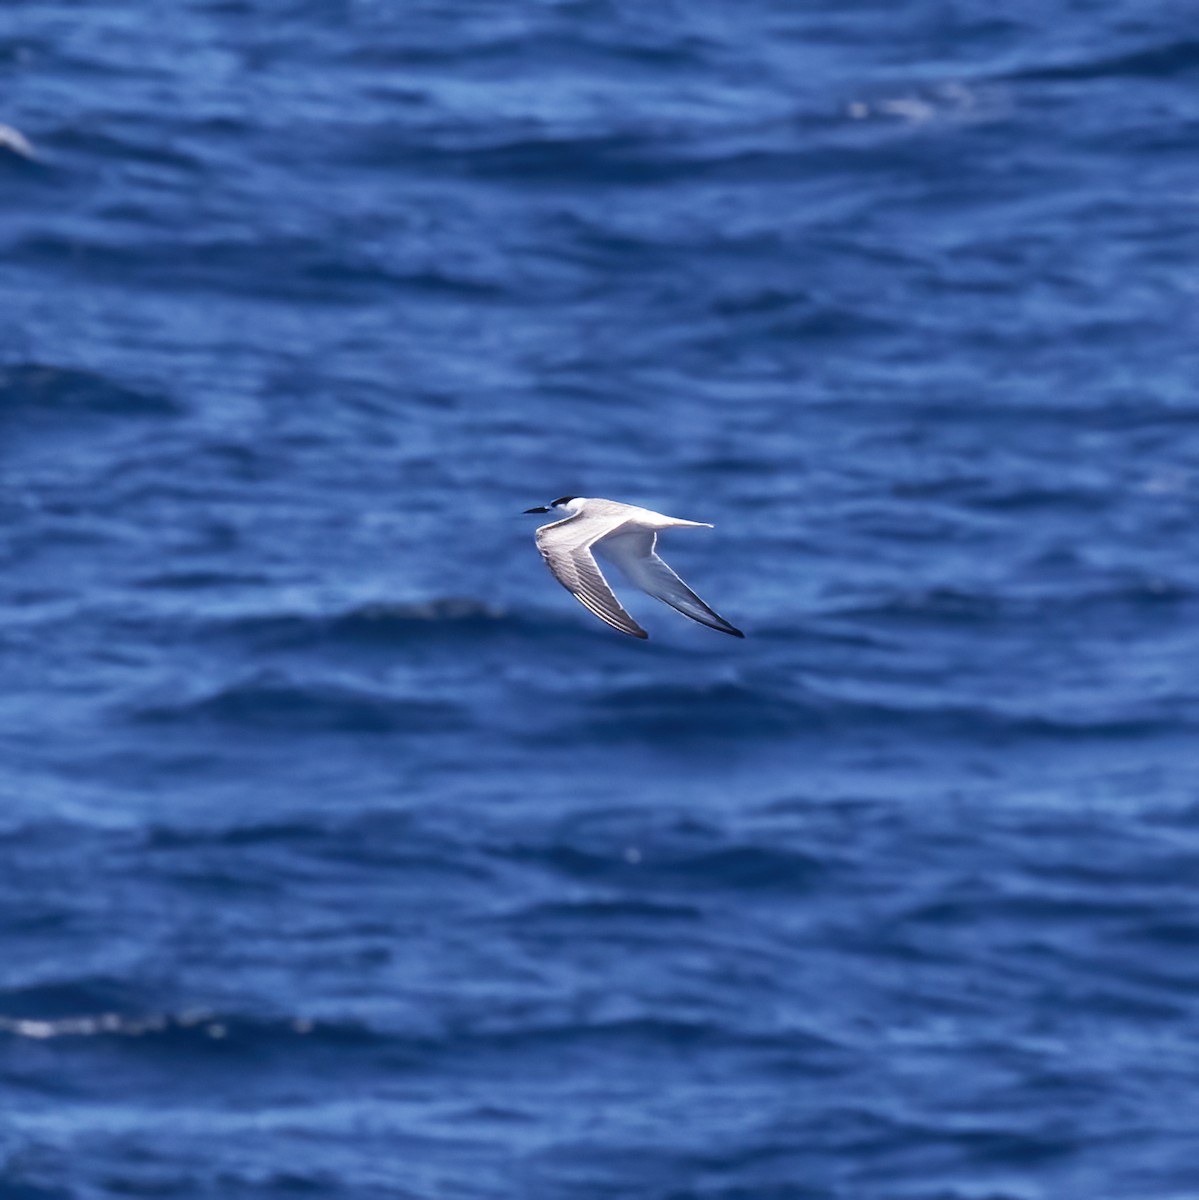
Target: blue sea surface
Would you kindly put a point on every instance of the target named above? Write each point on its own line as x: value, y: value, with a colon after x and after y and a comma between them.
x: 343, y: 854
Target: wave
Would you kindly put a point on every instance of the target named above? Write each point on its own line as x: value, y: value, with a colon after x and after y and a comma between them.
x: 201, y: 580
x: 271, y: 701
x: 714, y: 713
x: 587, y: 912
x: 445, y: 623
x: 379, y: 622
x: 29, y: 388
x: 295, y: 269
x: 700, y: 710
x: 964, y: 606
x: 737, y: 867
x: 1163, y: 61
x: 188, y: 1026
x: 199, y: 1029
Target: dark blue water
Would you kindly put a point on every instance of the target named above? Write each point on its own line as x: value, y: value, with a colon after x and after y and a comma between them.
x: 342, y: 854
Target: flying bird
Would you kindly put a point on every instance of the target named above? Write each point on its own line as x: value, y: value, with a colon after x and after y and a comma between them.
x: 625, y: 535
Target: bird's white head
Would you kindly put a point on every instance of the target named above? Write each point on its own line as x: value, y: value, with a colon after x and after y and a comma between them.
x: 564, y: 506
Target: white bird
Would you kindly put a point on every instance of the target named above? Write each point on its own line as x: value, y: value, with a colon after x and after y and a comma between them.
x: 626, y: 535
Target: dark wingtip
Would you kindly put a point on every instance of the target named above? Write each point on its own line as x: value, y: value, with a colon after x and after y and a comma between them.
x: 731, y: 629
x: 541, y: 509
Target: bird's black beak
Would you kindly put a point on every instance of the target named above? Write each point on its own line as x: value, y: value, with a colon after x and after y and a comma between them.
x: 541, y: 509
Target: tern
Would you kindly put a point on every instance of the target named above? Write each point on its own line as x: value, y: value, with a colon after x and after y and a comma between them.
x: 625, y: 535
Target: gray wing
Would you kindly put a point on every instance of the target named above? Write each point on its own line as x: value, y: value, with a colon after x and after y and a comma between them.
x: 633, y: 552
x: 566, y: 548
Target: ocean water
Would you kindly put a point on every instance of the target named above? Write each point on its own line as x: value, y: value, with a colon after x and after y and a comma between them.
x: 343, y: 854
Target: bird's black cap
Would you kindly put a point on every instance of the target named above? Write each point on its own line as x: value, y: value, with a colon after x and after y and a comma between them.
x: 553, y: 504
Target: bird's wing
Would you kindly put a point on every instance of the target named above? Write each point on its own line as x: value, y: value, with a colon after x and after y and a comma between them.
x: 566, y: 548
x: 633, y: 552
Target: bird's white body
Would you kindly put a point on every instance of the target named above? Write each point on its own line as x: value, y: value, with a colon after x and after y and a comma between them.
x: 627, y: 536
